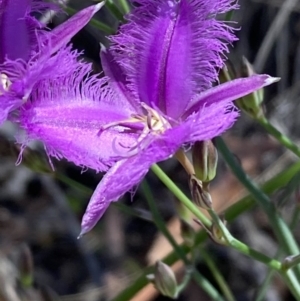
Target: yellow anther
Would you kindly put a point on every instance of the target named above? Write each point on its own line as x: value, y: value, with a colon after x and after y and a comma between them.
x: 154, y: 122
x: 150, y: 123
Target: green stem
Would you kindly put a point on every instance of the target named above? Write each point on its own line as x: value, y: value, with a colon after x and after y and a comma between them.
x: 276, y: 183
x: 125, y: 6
x: 186, y: 280
x: 261, y: 292
x: 160, y: 223
x: 218, y: 276
x: 232, y: 213
x: 282, y: 231
x: 234, y: 243
x: 101, y: 26
x: 180, y: 195
x: 114, y: 10
x: 202, y: 281
x: 281, y: 138
x: 241, y: 247
x: 289, y: 277
x: 229, y: 15
x: 292, y: 283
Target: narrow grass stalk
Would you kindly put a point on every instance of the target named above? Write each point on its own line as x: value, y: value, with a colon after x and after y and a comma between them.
x: 280, y: 137
x: 225, y: 289
x: 280, y: 228
x: 289, y: 277
x: 114, y: 10
x: 125, y: 6
x: 261, y: 292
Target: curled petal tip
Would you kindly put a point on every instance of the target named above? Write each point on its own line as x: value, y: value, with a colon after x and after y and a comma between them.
x: 270, y: 80
x: 87, y: 225
x: 102, y: 48
x: 82, y: 232
x: 63, y: 33
x: 98, y: 6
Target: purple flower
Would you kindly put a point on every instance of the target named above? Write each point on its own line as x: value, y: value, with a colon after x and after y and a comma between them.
x: 157, y: 96
x: 30, y: 53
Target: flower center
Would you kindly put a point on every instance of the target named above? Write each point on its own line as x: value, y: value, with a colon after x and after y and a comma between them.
x: 147, y: 125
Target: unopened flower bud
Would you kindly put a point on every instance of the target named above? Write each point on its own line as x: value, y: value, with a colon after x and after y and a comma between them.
x: 164, y: 280
x: 251, y: 103
x: 205, y: 159
x: 201, y: 197
x: 290, y: 262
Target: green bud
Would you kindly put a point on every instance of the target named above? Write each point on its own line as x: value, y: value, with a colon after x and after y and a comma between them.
x: 251, y: 103
x: 290, y: 262
x: 164, y: 280
x: 205, y: 159
x: 200, y: 196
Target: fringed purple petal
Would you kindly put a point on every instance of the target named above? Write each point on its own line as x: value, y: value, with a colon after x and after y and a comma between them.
x: 127, y: 173
x: 19, y: 29
x: 62, y: 34
x: 117, y: 81
x: 67, y: 114
x: 229, y: 91
x: 117, y: 181
x: 6, y: 106
x: 14, y: 32
x: 171, y: 50
x: 209, y: 122
x: 25, y: 75
x: 38, y: 29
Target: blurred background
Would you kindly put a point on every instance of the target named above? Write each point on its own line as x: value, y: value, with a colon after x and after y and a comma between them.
x: 40, y: 210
